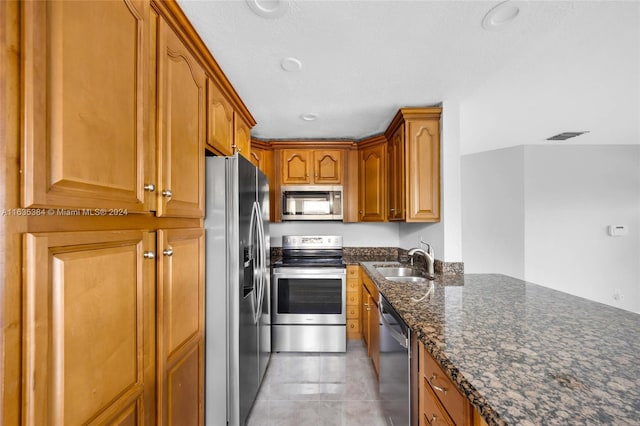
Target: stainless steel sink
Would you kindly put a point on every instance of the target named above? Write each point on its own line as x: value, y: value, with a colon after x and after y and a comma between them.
x: 403, y: 274
x: 408, y: 279
x: 400, y: 271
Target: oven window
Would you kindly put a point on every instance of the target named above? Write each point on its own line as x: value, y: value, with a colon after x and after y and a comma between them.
x: 309, y: 296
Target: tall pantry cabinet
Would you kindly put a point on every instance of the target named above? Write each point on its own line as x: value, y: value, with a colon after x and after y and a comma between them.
x: 102, y: 210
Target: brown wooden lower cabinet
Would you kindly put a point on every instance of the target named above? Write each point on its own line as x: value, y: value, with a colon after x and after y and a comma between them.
x: 353, y: 302
x: 89, y: 329
x: 113, y: 327
x: 371, y: 320
x: 440, y: 401
x: 180, y: 302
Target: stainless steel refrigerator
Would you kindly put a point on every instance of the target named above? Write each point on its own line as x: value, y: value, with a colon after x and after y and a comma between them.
x: 237, y: 291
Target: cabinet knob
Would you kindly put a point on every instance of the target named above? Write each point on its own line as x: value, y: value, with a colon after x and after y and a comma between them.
x: 167, y: 193
x: 149, y: 255
x: 150, y: 187
x: 168, y: 252
x: 361, y: 212
x: 392, y: 210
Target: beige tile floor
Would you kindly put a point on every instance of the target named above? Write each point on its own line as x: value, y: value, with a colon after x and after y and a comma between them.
x: 320, y: 390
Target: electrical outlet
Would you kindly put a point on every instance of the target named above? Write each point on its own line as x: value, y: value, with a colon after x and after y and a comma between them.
x: 617, y: 294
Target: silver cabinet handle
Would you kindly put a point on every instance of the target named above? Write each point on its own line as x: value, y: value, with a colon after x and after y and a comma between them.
x: 150, y: 187
x: 167, y: 193
x: 168, y: 252
x: 433, y: 419
x: 435, y: 387
x: 149, y: 255
x: 361, y: 212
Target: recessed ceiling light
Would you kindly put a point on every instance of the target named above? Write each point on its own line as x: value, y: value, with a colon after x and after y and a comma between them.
x: 291, y: 64
x: 309, y: 116
x: 504, y: 13
x: 268, y: 8
x: 565, y: 135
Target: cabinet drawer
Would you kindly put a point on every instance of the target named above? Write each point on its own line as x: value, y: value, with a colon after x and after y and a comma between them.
x: 432, y: 412
x: 353, y: 328
x: 353, y: 285
x: 353, y: 271
x: 353, y: 312
x: 353, y: 299
x: 443, y: 388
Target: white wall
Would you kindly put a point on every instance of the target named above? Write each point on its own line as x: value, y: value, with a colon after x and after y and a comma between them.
x: 353, y: 234
x: 541, y: 213
x: 493, y: 212
x: 571, y: 194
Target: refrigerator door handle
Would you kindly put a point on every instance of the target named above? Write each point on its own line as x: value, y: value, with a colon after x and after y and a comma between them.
x: 262, y: 259
x: 262, y: 249
x: 258, y: 264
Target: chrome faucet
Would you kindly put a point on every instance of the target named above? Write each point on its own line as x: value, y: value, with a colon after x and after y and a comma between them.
x: 428, y: 257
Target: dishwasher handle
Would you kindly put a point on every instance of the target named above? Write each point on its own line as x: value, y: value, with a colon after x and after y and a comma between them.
x: 398, y: 337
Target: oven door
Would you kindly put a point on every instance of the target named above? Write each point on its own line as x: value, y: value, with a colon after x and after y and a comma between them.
x: 309, y: 296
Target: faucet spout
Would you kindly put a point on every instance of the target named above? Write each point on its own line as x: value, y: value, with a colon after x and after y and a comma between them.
x: 428, y: 257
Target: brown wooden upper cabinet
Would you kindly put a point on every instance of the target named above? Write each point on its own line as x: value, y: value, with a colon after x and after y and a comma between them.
x: 227, y: 131
x: 219, y: 119
x: 85, y: 95
x: 309, y: 166
x: 88, y: 138
x: 181, y: 115
x: 242, y: 136
x: 372, y: 181
x: 396, y: 178
x: 414, y: 165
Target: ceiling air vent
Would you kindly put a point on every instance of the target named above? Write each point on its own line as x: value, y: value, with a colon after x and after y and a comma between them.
x: 565, y: 135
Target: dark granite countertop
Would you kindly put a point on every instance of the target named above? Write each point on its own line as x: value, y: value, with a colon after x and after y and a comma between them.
x: 524, y: 354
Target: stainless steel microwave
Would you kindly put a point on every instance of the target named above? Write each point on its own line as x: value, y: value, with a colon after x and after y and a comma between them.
x: 311, y: 202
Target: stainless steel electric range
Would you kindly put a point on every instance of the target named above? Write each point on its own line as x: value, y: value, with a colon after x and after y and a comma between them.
x: 309, y: 295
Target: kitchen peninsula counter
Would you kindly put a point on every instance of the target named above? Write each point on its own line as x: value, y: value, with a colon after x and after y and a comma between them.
x: 524, y: 354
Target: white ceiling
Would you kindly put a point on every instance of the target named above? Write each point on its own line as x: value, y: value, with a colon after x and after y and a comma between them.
x: 560, y: 66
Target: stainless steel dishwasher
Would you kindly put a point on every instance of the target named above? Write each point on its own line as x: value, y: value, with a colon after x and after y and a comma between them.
x: 395, y: 358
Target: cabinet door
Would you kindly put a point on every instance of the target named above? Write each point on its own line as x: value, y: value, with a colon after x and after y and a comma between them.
x: 180, y: 326
x: 396, y: 175
x: 296, y: 166
x: 85, y: 98
x: 423, y: 155
x: 242, y: 136
x: 364, y: 314
x: 181, y: 94
x: 219, y: 120
x: 261, y: 158
x: 327, y: 167
x: 89, y: 334
x: 372, y: 183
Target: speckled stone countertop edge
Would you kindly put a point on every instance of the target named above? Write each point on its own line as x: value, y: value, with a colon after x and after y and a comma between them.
x: 474, y: 397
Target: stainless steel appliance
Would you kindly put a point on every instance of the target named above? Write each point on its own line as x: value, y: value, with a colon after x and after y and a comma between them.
x: 237, y: 299
x: 311, y: 202
x: 309, y: 295
x: 395, y: 358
